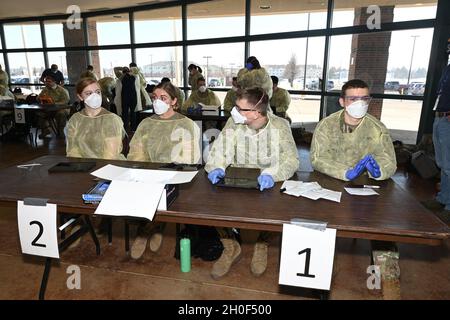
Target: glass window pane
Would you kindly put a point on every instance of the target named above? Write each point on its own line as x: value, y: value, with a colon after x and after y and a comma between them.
x: 355, y: 12
x: 110, y: 29
x: 286, y: 59
x: 402, y: 118
x: 303, y: 109
x: 219, y: 62
x: 390, y: 62
x: 25, y: 35
x: 58, y: 35
x: 284, y: 16
x: 156, y: 63
x: 158, y: 25
x: 108, y: 59
x: 25, y: 67
x: 208, y: 20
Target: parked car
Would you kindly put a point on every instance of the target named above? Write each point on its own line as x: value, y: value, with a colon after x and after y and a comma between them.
x: 392, y: 85
x: 214, y: 83
x: 315, y: 85
x: 418, y: 89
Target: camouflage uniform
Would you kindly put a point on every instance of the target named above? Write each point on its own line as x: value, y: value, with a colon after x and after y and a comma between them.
x: 208, y: 98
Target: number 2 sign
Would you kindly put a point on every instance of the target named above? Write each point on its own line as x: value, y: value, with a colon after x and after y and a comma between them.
x: 307, y: 257
x: 37, y: 229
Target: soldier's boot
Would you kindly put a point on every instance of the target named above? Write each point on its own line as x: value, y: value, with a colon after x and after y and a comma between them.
x: 156, y: 241
x: 259, y: 260
x: 140, y: 243
x: 230, y: 255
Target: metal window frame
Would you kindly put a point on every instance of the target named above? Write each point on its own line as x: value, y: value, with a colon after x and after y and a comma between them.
x: 438, y: 24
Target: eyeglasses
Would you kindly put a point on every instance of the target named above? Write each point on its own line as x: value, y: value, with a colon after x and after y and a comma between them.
x: 357, y: 98
x: 239, y: 109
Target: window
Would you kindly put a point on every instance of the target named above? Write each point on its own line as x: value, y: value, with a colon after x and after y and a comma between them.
x: 402, y: 118
x: 303, y: 109
x: 215, y: 19
x: 286, y: 59
x: 348, y: 13
x: 25, y: 67
x: 156, y: 63
x: 108, y: 59
x: 110, y: 29
x: 398, y: 61
x: 219, y: 62
x: 58, y: 35
x: 284, y: 16
x: 21, y: 36
x: 158, y: 25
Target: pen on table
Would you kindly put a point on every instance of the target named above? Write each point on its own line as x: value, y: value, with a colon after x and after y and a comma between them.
x: 282, y: 189
x: 28, y: 165
x: 364, y: 186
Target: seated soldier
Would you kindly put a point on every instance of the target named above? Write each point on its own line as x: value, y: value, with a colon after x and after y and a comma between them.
x: 201, y: 95
x: 350, y: 142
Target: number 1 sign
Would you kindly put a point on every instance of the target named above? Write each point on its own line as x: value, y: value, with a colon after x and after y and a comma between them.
x: 307, y: 257
x: 37, y: 229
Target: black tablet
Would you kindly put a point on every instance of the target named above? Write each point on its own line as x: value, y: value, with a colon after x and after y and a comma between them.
x: 72, y: 167
x: 246, y: 178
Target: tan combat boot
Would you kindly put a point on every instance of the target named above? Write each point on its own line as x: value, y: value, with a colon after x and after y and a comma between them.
x: 230, y: 255
x: 140, y: 243
x: 259, y: 259
x: 156, y: 241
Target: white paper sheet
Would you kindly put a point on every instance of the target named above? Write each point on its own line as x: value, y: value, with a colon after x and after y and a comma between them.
x: 135, y: 199
x: 112, y: 172
x: 310, y: 190
x: 361, y: 191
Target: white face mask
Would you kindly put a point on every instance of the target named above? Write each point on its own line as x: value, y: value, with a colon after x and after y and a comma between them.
x: 202, y: 88
x: 237, y: 117
x: 94, y: 101
x: 357, y: 109
x: 160, y: 106
x: 234, y: 88
x: 53, y: 86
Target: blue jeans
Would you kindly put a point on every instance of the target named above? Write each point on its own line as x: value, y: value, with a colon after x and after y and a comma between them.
x: 441, y: 141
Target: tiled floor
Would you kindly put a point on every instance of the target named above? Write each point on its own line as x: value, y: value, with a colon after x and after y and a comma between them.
x: 425, y: 271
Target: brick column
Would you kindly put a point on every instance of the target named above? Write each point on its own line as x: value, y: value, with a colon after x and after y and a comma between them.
x: 370, y: 54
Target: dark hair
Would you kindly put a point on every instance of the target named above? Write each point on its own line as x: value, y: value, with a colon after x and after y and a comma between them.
x: 253, y: 96
x: 234, y: 78
x: 165, y: 79
x: 132, y: 64
x: 193, y: 66
x: 200, y: 79
x: 254, y: 62
x: 353, y: 84
x: 54, y: 65
x: 170, y: 89
x: 274, y: 79
x: 83, y: 83
x: 90, y: 67
x: 150, y: 87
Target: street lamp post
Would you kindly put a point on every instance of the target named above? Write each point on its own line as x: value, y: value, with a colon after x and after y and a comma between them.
x: 151, y: 66
x: 207, y: 65
x: 412, y: 56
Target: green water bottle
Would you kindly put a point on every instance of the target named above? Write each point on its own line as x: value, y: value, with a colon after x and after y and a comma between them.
x: 185, y: 254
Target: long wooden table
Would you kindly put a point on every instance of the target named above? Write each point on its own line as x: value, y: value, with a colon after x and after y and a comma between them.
x: 394, y: 215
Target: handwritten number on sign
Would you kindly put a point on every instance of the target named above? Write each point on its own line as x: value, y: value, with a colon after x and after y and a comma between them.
x: 308, y: 258
x: 19, y: 116
x: 41, y: 231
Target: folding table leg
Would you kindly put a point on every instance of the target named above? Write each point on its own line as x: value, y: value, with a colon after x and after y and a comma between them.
x: 48, y: 265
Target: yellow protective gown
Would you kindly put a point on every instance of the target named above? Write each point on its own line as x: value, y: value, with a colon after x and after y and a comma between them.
x: 174, y: 140
x: 208, y: 98
x: 281, y: 100
x: 97, y: 137
x: 271, y: 149
x: 230, y: 100
x: 334, y: 152
x: 255, y: 78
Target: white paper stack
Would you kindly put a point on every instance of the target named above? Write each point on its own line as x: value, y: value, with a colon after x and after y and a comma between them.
x: 310, y: 190
x: 137, y: 192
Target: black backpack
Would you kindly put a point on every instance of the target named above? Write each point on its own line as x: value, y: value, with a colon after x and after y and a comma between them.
x: 205, y: 242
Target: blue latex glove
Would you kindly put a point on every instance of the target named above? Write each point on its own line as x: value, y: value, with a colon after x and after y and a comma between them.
x: 373, y: 167
x: 359, y: 168
x: 265, y: 182
x: 215, y: 175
